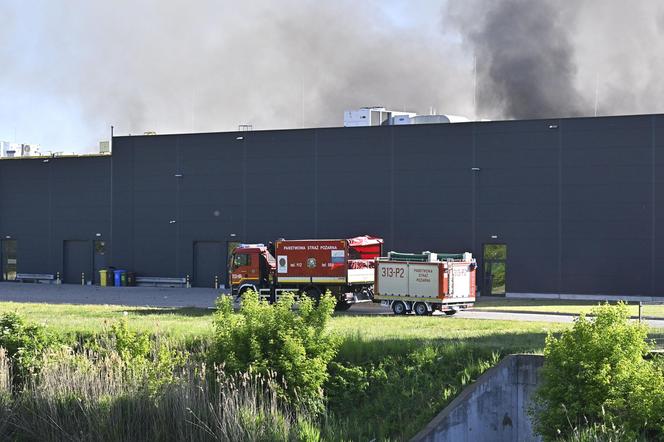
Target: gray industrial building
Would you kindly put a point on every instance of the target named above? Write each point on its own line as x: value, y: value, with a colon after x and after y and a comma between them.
x: 560, y: 206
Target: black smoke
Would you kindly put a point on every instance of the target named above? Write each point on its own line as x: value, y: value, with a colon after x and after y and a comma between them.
x: 523, y: 56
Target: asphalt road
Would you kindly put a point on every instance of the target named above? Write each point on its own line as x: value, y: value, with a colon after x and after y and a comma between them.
x: 205, y: 297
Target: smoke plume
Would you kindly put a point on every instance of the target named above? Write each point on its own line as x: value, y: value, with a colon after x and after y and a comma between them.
x: 524, y: 59
x: 74, y: 67
x: 537, y: 59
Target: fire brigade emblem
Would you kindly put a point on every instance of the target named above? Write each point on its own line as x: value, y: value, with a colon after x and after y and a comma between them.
x: 282, y: 264
x: 311, y: 263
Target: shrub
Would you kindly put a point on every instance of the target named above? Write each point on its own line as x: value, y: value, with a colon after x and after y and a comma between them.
x: 266, y: 338
x: 156, y: 360
x: 130, y: 345
x: 596, y: 373
x: 25, y: 343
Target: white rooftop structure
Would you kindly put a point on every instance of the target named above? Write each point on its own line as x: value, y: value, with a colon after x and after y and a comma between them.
x: 11, y: 150
x: 372, y: 116
x: 380, y: 116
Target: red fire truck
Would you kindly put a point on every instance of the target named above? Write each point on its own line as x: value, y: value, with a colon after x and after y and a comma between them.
x: 310, y: 267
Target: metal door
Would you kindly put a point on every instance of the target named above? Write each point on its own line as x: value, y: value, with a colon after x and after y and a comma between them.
x: 77, y: 262
x: 208, y: 264
x: 495, y: 269
x: 8, y: 259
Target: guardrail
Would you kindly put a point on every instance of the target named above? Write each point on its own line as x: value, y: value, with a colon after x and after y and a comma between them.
x: 642, y: 303
x: 155, y: 281
x: 35, y: 277
x: 656, y: 335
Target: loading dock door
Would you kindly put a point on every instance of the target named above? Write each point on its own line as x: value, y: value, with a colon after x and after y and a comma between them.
x: 8, y: 259
x: 77, y: 261
x: 208, y: 263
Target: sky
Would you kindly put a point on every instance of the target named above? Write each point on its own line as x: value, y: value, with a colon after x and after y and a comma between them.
x: 73, y: 68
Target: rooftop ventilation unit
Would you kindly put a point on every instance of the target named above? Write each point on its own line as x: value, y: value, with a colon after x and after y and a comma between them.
x: 372, y: 116
x: 379, y: 116
x: 429, y: 119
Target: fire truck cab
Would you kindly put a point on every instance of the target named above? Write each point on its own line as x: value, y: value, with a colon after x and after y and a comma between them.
x: 250, y: 268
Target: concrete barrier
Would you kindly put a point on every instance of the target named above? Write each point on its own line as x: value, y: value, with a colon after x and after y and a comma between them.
x: 494, y: 408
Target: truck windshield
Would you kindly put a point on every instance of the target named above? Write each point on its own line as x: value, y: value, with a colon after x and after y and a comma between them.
x: 241, y: 260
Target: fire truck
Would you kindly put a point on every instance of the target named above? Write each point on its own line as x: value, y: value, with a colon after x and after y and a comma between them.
x: 425, y: 282
x: 311, y: 267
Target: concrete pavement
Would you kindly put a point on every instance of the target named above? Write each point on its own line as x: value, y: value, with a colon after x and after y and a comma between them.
x: 131, y: 296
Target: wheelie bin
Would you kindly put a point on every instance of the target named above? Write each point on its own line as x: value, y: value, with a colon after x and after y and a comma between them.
x: 120, y: 277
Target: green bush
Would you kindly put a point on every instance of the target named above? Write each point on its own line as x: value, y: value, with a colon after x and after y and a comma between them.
x: 293, y: 344
x: 156, y: 360
x: 25, y: 343
x: 596, y: 373
x: 130, y: 345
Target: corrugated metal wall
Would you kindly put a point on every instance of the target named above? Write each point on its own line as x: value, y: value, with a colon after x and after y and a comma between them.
x: 45, y: 203
x: 575, y: 200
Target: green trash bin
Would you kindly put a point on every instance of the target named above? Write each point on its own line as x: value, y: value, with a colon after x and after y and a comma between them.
x: 123, y: 279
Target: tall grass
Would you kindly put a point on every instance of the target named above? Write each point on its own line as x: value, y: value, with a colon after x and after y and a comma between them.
x: 390, y: 389
x: 5, y: 392
x: 91, y: 398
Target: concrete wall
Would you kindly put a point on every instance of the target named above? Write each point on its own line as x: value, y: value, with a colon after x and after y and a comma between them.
x: 494, y: 408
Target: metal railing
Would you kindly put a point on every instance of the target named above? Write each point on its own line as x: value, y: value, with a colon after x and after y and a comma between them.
x: 642, y: 303
x: 656, y: 335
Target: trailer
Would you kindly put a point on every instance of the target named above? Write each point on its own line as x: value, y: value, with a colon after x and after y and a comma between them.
x: 425, y: 282
x: 311, y: 267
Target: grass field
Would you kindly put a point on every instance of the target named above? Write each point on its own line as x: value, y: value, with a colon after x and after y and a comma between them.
x: 76, y: 319
x: 183, y: 323
x: 556, y: 306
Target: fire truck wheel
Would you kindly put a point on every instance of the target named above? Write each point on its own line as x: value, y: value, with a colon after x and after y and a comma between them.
x: 312, y: 292
x: 342, y: 306
x: 450, y: 312
x: 421, y: 309
x: 399, y: 308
